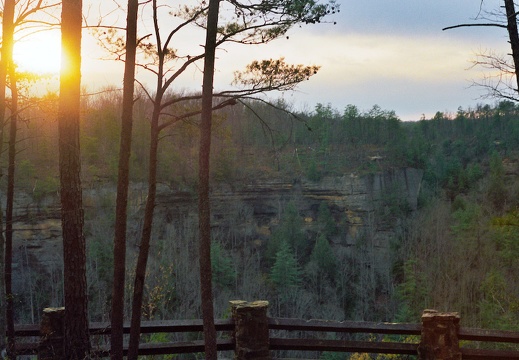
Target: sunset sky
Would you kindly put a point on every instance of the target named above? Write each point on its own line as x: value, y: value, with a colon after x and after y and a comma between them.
x: 392, y: 53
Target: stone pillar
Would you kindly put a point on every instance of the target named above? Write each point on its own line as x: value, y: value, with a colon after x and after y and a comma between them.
x: 439, y: 336
x: 251, y: 331
x: 51, y: 334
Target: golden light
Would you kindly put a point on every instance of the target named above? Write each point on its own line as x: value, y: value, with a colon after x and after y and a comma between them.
x: 39, y: 53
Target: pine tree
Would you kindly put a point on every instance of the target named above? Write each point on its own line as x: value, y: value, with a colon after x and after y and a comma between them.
x: 285, y: 273
x: 325, y: 221
x: 290, y: 231
x: 323, y: 256
x: 224, y: 274
x: 496, y: 191
x: 76, y: 336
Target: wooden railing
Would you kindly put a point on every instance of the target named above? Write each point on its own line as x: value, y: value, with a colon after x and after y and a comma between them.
x: 438, y: 336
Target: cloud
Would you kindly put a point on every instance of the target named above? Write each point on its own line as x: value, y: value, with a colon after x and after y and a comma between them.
x: 412, y: 75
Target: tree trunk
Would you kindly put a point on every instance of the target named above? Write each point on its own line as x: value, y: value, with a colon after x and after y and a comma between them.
x: 513, y: 34
x: 76, y: 342
x: 142, y: 260
x: 144, y: 247
x: 204, y: 208
x: 8, y: 67
x: 121, y: 208
x: 11, y: 346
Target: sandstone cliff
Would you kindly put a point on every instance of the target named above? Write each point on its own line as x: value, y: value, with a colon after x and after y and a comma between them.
x: 363, y: 207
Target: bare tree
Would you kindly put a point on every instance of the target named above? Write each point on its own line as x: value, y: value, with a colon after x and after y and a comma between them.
x: 77, y: 344
x: 13, y: 19
x: 500, y: 85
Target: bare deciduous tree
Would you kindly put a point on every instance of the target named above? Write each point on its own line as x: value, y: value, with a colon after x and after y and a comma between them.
x: 505, y: 83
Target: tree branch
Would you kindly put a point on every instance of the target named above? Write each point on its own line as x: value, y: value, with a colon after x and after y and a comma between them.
x: 470, y: 25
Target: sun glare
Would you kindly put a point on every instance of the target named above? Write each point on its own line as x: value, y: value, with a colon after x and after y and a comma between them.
x: 40, y: 53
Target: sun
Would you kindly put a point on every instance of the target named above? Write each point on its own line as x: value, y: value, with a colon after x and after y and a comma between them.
x: 39, y: 53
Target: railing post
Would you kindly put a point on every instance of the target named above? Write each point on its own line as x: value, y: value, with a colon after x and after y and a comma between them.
x: 251, y: 330
x: 439, y: 336
x: 51, y: 334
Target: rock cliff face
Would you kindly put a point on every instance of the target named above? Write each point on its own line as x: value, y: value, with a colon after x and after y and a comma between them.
x: 364, y: 206
x: 356, y: 201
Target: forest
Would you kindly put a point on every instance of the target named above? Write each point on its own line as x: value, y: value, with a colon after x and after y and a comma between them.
x: 136, y: 204
x: 455, y: 252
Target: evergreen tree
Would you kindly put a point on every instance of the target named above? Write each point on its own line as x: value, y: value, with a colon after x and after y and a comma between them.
x: 285, y: 273
x: 76, y: 336
x: 496, y: 191
x: 224, y: 274
x: 326, y: 221
x: 289, y: 230
x: 123, y: 180
x: 324, y: 257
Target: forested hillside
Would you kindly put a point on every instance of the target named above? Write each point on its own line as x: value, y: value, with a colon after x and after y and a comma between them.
x: 455, y: 252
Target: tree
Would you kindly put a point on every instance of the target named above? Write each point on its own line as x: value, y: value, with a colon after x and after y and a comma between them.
x: 9, y: 70
x: 204, y: 207
x: 252, y: 23
x: 76, y: 341
x: 222, y: 267
x: 12, y: 18
x: 121, y: 208
x: 326, y: 222
x: 285, y: 273
x: 502, y: 84
x: 289, y: 230
x: 496, y: 191
x: 323, y: 256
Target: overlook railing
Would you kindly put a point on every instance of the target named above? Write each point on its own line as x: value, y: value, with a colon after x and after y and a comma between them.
x: 250, y: 334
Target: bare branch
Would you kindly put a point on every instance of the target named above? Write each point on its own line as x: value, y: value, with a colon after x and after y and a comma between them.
x: 188, y: 21
x: 28, y: 12
x: 472, y: 25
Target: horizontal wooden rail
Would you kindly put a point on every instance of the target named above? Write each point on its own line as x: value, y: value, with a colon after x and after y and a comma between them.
x: 147, y: 327
x: 343, y: 346
x: 165, y: 326
x: 482, y: 354
x: 179, y: 347
x: 302, y: 344
x: 488, y: 335
x: 344, y: 326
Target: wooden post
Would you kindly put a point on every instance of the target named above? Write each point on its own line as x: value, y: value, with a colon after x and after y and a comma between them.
x: 51, y: 334
x: 251, y: 331
x: 439, y: 336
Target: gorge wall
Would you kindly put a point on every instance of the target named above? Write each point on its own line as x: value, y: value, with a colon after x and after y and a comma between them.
x: 366, y: 209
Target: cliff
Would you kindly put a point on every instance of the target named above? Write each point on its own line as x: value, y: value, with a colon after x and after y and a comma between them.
x: 364, y: 208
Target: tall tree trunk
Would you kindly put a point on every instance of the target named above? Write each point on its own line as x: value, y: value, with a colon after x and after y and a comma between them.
x: 144, y: 248
x: 121, y: 207
x: 8, y: 67
x: 9, y: 214
x: 204, y: 206
x: 513, y: 35
x: 76, y: 341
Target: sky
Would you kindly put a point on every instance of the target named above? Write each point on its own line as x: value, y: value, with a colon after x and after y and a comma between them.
x: 390, y: 53
x: 394, y: 54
